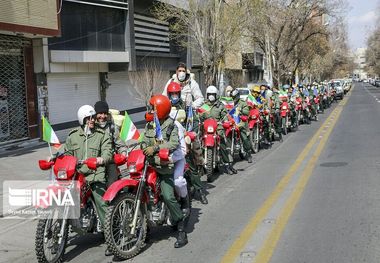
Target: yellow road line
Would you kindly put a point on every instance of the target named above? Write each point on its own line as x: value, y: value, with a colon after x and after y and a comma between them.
x: 234, y: 251
x: 270, y: 244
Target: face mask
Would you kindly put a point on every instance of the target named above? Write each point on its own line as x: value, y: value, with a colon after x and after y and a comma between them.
x: 228, y: 93
x: 87, y: 130
x: 181, y: 76
x: 102, y: 124
x: 211, y: 98
x: 174, y: 99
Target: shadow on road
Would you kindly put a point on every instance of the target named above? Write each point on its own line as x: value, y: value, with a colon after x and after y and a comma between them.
x: 79, y: 244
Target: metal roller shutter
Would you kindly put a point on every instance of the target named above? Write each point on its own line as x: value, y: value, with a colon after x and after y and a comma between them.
x: 68, y: 91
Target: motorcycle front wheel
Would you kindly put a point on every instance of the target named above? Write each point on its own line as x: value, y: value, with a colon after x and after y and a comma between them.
x: 209, y: 163
x: 284, y: 121
x: 49, y: 244
x: 117, y: 227
x: 255, y: 139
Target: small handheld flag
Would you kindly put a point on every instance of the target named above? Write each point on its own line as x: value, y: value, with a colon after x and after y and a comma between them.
x: 227, y: 102
x: 204, y: 108
x: 294, y: 92
x: 235, y: 115
x: 157, y: 127
x: 189, y: 119
x: 315, y: 91
x: 128, y: 129
x: 251, y: 101
x: 48, y: 135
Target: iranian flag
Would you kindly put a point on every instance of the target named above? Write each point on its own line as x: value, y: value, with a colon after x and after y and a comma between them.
x: 251, y: 101
x: 128, y: 129
x: 228, y: 102
x: 48, y: 135
x: 283, y: 95
x: 204, y: 108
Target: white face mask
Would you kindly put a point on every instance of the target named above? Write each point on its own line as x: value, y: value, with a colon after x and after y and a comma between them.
x: 181, y: 76
x: 87, y: 130
x: 228, y: 93
x: 102, y: 124
x: 211, y: 98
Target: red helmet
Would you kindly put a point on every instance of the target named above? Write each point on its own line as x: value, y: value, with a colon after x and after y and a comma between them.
x: 174, y: 87
x: 162, y: 105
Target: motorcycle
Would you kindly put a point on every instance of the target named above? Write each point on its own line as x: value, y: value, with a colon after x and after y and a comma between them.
x: 52, y: 230
x: 211, y: 146
x: 255, y: 128
x: 306, y: 111
x: 314, y: 108
x: 284, y: 113
x: 134, y: 203
x: 299, y: 110
x: 232, y: 131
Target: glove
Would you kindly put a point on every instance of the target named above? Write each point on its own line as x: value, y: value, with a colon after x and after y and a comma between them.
x: 149, y: 151
x: 99, y: 160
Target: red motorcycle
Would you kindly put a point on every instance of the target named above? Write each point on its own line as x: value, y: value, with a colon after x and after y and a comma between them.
x: 232, y: 132
x: 255, y: 126
x: 211, y: 146
x: 284, y: 113
x: 134, y: 203
x: 52, y: 231
x: 299, y: 110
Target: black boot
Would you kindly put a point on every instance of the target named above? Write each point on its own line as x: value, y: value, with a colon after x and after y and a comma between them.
x: 202, y: 197
x: 234, y: 171
x: 227, y: 169
x: 249, y: 157
x: 185, y: 206
x: 108, y: 252
x: 182, y: 236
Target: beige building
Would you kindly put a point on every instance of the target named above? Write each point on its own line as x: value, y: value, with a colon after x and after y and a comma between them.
x: 22, y: 21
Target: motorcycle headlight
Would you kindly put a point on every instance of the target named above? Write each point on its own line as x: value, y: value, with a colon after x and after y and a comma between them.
x: 210, y: 129
x: 132, y: 168
x: 284, y: 107
x: 254, y: 117
x: 62, y: 174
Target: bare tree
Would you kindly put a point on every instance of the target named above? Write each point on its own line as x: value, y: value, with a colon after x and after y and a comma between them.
x: 149, y: 80
x: 212, y: 27
x: 287, y: 27
x: 373, y: 50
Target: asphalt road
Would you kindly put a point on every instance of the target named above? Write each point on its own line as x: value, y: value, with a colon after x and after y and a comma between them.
x: 312, y: 198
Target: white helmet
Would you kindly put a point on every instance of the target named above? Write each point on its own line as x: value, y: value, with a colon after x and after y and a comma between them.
x: 211, y: 90
x: 84, y: 112
x: 228, y: 90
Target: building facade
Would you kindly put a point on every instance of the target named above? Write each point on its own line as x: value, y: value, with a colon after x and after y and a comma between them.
x: 22, y: 22
x: 101, y: 43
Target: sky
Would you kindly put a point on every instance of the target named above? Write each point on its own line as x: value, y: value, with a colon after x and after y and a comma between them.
x: 361, y: 19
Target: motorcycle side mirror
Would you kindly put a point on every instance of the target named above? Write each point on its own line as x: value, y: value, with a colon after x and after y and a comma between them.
x: 45, y: 165
x: 244, y: 118
x: 119, y: 159
x: 164, y: 154
x: 192, y: 135
x: 91, y: 163
x: 226, y: 124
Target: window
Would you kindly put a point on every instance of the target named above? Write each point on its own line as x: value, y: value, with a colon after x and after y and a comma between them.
x: 88, y: 27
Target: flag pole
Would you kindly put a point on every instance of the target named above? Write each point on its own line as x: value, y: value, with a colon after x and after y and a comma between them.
x: 51, y: 153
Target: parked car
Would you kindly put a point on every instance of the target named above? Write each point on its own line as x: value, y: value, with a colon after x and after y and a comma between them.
x: 377, y: 82
x: 337, y: 85
x: 244, y: 92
